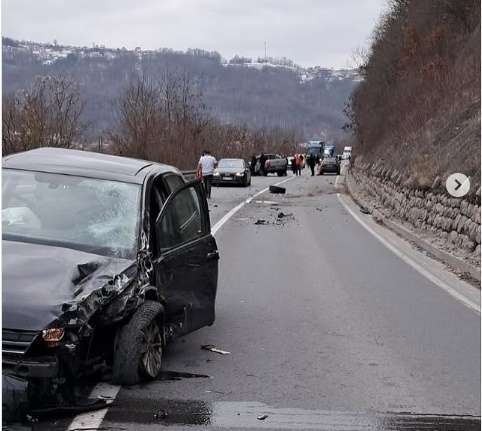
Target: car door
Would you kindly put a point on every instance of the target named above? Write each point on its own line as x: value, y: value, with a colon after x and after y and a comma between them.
x: 186, y: 270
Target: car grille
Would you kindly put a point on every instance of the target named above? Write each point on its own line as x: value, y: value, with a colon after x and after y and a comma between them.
x: 17, y: 342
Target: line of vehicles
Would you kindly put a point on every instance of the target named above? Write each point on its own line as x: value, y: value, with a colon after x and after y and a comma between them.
x: 238, y: 171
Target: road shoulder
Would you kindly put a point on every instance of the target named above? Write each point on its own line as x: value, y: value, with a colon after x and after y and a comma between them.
x: 455, y: 264
x: 432, y: 269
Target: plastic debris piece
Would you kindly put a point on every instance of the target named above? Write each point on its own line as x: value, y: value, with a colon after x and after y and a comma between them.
x: 213, y: 348
x: 260, y: 221
x: 277, y: 189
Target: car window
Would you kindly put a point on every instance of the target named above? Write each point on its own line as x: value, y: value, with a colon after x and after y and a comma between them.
x: 88, y: 214
x: 173, y: 182
x: 180, y: 221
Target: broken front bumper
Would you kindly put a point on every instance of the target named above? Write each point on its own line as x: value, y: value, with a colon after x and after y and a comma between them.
x: 24, y: 367
x: 16, y: 360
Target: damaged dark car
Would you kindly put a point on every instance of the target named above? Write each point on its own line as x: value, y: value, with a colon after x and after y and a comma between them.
x: 105, y: 259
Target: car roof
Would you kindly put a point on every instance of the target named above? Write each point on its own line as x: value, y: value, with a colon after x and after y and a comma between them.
x: 86, y: 164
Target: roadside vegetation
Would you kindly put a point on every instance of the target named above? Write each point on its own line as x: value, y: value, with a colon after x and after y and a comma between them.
x: 418, y: 107
x: 162, y: 120
x: 48, y: 114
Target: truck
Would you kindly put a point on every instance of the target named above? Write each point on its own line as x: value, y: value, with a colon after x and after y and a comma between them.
x: 329, y: 150
x: 315, y: 148
x: 320, y: 149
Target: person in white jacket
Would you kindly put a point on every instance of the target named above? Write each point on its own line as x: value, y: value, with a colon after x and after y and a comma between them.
x: 207, y: 164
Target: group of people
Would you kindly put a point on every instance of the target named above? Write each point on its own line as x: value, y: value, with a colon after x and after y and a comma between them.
x: 207, y: 164
x: 298, y: 161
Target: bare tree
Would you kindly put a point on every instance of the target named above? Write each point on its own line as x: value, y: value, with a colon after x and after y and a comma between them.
x: 167, y: 121
x: 160, y: 120
x: 47, y: 114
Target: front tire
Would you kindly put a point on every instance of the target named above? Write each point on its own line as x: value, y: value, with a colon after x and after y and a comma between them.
x: 139, y: 346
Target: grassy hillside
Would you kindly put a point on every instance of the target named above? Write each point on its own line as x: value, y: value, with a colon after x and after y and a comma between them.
x: 418, y: 107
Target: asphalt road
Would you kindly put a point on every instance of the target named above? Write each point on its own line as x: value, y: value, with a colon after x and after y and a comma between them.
x: 327, y: 329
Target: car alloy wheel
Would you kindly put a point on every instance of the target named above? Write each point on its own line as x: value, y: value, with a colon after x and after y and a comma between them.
x: 151, y: 359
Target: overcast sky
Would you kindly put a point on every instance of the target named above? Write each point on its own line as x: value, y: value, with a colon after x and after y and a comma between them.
x: 310, y: 32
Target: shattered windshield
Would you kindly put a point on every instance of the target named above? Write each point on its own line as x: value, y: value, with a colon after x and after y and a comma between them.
x: 93, y: 215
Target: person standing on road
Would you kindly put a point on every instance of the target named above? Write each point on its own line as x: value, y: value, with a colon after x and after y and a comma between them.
x: 262, y: 163
x: 293, y: 164
x: 253, y: 165
x: 300, y: 163
x: 312, y: 163
x: 206, y: 164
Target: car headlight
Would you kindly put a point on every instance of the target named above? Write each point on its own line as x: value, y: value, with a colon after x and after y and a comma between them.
x: 216, y: 174
x: 53, y: 336
x: 239, y: 174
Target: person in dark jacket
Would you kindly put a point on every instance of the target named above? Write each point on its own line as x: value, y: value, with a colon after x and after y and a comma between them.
x: 253, y: 165
x: 262, y: 163
x: 311, y: 163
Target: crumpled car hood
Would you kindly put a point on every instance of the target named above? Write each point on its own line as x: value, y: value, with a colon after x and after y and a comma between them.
x: 40, y: 282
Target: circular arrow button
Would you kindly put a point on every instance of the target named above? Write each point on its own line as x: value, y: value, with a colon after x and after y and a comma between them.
x: 457, y: 185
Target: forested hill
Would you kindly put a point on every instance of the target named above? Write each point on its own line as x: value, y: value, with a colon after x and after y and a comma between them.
x: 257, y: 92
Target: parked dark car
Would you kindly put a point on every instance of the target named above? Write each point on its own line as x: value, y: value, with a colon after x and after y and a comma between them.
x: 232, y: 171
x: 105, y: 259
x: 329, y: 164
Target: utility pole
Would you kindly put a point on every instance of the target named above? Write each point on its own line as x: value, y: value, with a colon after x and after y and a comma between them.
x: 265, y: 52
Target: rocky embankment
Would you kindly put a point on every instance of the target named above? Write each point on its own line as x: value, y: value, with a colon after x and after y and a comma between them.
x: 451, y: 224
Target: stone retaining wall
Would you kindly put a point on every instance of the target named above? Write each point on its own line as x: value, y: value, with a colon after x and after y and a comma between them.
x: 456, y: 221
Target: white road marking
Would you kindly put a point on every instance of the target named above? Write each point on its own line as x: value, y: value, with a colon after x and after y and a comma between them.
x: 230, y: 213
x: 427, y: 274
x: 93, y: 420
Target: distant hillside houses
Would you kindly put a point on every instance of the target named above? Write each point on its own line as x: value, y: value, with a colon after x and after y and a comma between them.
x: 262, y: 92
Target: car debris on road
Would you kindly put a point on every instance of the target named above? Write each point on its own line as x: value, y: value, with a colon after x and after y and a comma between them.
x: 213, y: 348
x: 277, y: 189
x: 284, y: 215
x: 261, y: 221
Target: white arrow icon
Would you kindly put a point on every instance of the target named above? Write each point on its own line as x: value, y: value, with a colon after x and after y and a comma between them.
x: 457, y: 185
